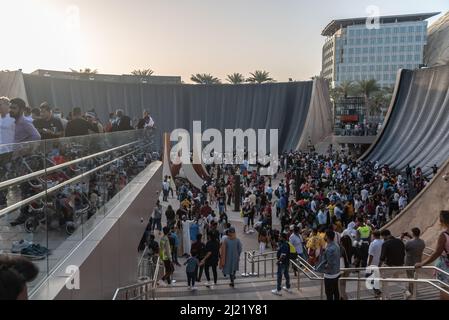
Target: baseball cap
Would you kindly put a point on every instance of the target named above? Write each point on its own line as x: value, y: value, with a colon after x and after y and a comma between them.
x: 231, y: 230
x: 91, y: 115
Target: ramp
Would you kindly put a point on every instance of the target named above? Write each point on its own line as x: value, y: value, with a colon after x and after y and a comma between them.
x: 424, y: 211
x: 416, y: 127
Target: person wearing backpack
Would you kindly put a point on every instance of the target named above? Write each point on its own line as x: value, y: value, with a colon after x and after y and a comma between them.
x: 283, y: 256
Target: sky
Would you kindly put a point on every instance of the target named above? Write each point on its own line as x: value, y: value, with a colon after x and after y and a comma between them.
x: 180, y: 37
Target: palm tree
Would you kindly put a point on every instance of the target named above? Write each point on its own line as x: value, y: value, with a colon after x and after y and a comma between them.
x: 204, y: 78
x: 367, y: 88
x: 142, y: 72
x: 259, y: 76
x: 346, y: 88
x: 378, y: 101
x: 87, y: 71
x: 235, y: 78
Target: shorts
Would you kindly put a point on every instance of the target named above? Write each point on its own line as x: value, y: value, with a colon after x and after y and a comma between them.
x: 245, y: 221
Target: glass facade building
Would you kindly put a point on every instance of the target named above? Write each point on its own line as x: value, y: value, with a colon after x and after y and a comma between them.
x: 354, y: 52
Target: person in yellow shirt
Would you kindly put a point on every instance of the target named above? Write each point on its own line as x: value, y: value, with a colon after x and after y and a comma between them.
x: 315, y: 244
x: 186, y: 203
x: 331, y: 208
x: 348, y: 213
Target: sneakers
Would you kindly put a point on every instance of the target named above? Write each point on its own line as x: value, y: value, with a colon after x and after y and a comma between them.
x: 35, y: 250
x: 194, y: 288
x: 18, y: 246
x: 207, y: 284
x: 276, y: 292
x: 20, y: 220
x: 287, y: 289
x: 407, y: 295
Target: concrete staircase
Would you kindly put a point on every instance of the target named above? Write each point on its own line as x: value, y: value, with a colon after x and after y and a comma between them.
x: 259, y: 288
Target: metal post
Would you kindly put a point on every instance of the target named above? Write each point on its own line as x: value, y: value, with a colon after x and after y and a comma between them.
x: 252, y: 264
x: 245, y: 256
x: 272, y: 268
x: 258, y: 265
x: 415, y: 285
x: 322, y: 290
x: 299, y: 278
x: 358, y: 285
x: 265, y: 268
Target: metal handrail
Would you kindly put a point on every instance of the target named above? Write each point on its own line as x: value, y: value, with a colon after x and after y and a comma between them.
x: 59, y: 186
x: 143, y: 288
x: 32, y: 175
x: 432, y: 282
x: 308, y: 270
x: 142, y: 257
x: 130, y: 288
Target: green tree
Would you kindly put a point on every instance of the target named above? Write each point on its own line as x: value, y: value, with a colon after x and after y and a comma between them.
x: 142, y: 72
x: 367, y: 88
x: 344, y: 90
x: 235, y: 78
x: 260, y: 76
x: 204, y: 78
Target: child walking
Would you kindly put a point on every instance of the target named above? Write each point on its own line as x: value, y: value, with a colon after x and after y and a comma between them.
x: 192, y: 264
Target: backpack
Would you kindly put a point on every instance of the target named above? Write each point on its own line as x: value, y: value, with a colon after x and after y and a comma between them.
x: 171, y: 240
x: 276, y: 192
x: 292, y: 248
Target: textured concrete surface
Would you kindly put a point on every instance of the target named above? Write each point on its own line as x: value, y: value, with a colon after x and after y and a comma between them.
x: 437, y: 49
x: 423, y: 212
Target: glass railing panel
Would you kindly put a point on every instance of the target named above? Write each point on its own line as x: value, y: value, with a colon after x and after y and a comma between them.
x: 67, y: 186
x: 23, y: 227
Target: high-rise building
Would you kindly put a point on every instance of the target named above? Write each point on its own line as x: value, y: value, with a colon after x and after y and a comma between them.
x: 353, y: 51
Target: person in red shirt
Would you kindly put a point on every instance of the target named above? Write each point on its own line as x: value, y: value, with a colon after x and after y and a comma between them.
x: 205, y: 210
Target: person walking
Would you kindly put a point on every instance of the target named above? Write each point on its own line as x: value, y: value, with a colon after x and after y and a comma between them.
x: 283, y: 263
x: 192, y: 264
x: 171, y: 216
x: 230, y: 251
x: 199, y: 250
x: 414, y: 249
x: 174, y: 243
x: 157, y: 217
x: 441, y: 253
x: 211, y: 258
x: 165, y: 189
x: 392, y: 255
x: 166, y: 256
x: 330, y: 266
x: 297, y: 241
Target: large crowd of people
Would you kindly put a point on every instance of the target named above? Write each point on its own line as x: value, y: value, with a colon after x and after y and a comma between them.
x: 358, y: 129
x: 20, y: 123
x: 330, y: 207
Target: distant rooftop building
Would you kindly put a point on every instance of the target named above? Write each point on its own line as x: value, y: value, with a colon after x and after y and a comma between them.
x: 353, y: 52
x: 126, y: 78
x: 437, y: 49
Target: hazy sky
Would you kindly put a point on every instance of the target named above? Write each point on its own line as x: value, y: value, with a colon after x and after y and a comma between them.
x: 180, y: 37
